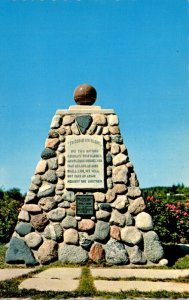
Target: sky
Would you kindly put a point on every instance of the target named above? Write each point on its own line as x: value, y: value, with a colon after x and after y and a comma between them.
x: 134, y: 52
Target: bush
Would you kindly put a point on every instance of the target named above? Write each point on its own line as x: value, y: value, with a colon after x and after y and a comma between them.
x: 10, y: 204
x: 171, y: 220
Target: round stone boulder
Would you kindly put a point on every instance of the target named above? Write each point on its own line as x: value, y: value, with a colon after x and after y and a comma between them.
x: 33, y: 240
x: 143, y: 221
x: 47, y: 252
x: 24, y: 216
x: 23, y: 228
x: 96, y: 253
x: 71, y: 236
x: 102, y: 215
x: 69, y: 222
x: 136, y: 206
x: 115, y: 253
x: 50, y: 176
x: 48, y: 153
x: 72, y: 254
x: 57, y: 214
x: 46, y: 190
x: 117, y: 218
x: 54, y: 232
x: 121, y: 202
x: 131, y: 235
x: 102, y: 231
x: 135, y: 255
x: 47, y: 203
x: 153, y: 249
x: 120, y: 174
x: 86, y: 225
x: 39, y: 221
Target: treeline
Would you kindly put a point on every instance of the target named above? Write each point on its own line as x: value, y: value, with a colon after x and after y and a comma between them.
x: 174, y: 192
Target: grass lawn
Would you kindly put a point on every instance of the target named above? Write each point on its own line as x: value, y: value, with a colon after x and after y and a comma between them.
x: 86, y: 287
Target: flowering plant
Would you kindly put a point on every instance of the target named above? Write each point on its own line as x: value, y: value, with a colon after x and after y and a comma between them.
x: 171, y: 220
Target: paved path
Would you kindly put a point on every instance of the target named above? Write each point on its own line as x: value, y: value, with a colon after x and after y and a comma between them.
x: 141, y: 286
x: 6, y: 274
x: 138, y: 273
x: 105, y: 279
x: 54, y: 279
x: 111, y: 285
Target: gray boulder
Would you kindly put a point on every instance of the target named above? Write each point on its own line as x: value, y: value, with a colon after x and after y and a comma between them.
x: 48, y: 153
x: 115, y: 253
x: 33, y: 240
x: 72, y: 254
x: 131, y: 235
x: 69, y: 222
x: 18, y: 252
x: 57, y: 214
x: 46, y: 190
x: 153, y: 249
x: 102, y: 231
x: 54, y: 232
x: 23, y: 228
x: 47, y: 203
x: 135, y: 255
x: 50, y: 176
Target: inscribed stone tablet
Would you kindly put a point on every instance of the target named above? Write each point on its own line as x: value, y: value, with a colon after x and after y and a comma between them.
x: 84, y: 162
x: 84, y: 205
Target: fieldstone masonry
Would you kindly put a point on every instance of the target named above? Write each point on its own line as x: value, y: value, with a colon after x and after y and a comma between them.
x: 84, y: 155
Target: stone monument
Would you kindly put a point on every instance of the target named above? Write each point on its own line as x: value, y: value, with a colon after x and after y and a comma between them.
x: 84, y: 202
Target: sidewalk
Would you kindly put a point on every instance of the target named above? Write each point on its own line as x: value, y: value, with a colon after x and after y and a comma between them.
x: 105, y: 279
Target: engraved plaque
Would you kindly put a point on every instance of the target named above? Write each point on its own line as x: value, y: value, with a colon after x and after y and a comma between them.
x: 84, y: 205
x: 84, y: 162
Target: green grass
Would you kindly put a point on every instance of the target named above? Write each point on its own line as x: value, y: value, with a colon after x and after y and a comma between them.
x: 2, y: 256
x: 86, y: 287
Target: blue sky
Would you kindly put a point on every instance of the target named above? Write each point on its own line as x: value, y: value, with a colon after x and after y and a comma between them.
x: 134, y: 52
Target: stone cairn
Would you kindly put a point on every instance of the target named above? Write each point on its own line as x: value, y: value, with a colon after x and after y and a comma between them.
x: 84, y: 202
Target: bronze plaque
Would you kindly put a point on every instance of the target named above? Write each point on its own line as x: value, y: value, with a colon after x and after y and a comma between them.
x: 84, y: 205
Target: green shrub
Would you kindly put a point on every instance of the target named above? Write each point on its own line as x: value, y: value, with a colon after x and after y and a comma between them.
x: 10, y: 204
x: 171, y: 220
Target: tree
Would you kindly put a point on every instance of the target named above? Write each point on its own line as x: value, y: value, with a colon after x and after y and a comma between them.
x: 10, y: 204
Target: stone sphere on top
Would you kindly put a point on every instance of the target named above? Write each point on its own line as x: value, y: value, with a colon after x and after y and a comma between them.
x: 85, y: 94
